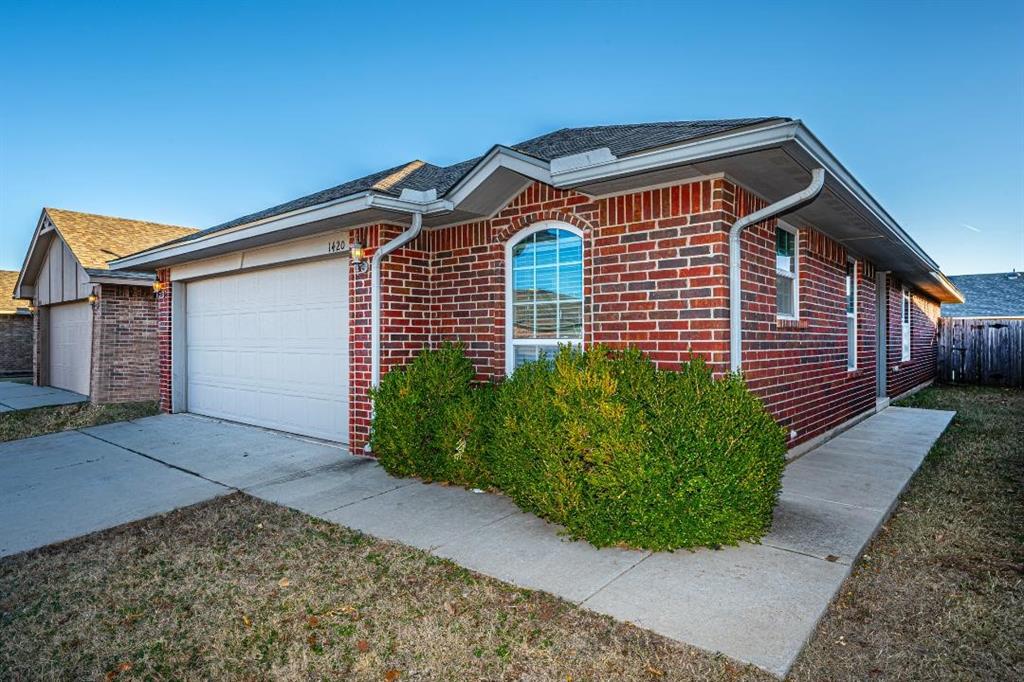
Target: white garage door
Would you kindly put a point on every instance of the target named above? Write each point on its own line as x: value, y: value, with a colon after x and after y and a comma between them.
x: 70, y: 346
x: 270, y: 348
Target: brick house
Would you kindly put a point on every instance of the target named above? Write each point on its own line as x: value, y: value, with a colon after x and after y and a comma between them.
x: 743, y: 241
x: 95, y: 330
x: 15, y: 329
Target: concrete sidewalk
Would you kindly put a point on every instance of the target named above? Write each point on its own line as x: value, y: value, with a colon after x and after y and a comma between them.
x: 16, y: 396
x: 755, y: 603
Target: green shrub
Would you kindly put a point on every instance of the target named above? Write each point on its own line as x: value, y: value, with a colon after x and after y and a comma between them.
x: 621, y: 453
x: 430, y: 422
x: 604, y: 443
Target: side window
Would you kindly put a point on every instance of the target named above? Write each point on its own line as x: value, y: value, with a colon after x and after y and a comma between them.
x: 851, y: 314
x: 786, y: 282
x: 544, y: 294
x: 905, y: 310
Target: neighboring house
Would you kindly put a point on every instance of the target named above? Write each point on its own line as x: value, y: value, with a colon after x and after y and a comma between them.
x: 613, y: 234
x: 15, y: 329
x: 1000, y: 294
x: 95, y: 330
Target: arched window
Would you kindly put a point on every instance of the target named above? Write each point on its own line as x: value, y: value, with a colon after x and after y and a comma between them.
x: 543, y: 292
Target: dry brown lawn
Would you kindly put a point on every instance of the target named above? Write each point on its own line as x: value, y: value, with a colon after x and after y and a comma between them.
x: 43, y: 420
x: 241, y: 589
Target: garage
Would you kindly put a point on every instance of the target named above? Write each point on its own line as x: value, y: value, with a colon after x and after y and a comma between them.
x: 269, y: 347
x: 70, y: 346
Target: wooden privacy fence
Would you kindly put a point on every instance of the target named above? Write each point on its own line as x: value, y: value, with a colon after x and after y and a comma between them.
x: 981, y: 351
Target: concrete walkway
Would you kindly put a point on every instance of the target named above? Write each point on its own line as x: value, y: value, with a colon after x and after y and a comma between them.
x: 17, y: 396
x: 755, y: 603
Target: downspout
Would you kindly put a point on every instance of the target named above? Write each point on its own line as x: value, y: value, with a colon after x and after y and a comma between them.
x: 781, y: 206
x: 378, y: 257
x: 375, y: 263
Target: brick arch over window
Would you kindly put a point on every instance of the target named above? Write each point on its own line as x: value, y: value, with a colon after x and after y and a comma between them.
x: 509, y: 231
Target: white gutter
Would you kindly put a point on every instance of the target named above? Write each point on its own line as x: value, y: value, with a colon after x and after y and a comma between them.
x: 735, y: 299
x: 310, y: 214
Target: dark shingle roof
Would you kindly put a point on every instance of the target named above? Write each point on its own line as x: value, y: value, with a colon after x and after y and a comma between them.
x: 996, y: 295
x: 620, y: 139
x: 628, y: 138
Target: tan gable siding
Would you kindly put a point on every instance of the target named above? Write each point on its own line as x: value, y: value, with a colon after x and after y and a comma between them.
x: 61, y: 279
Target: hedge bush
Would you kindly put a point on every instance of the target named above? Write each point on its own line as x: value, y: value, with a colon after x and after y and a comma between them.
x: 604, y: 443
x: 430, y: 422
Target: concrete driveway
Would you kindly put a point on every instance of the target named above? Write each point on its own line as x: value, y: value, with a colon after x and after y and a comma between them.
x: 63, y: 485
x: 17, y: 396
x: 758, y: 603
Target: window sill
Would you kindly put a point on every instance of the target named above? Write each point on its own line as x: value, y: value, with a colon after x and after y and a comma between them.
x: 791, y: 323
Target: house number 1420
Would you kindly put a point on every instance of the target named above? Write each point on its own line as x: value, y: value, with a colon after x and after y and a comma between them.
x: 336, y: 246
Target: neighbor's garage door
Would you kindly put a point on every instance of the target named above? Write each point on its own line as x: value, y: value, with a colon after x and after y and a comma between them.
x: 70, y: 345
x: 270, y: 348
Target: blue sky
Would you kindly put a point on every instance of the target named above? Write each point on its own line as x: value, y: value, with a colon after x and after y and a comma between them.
x: 198, y: 113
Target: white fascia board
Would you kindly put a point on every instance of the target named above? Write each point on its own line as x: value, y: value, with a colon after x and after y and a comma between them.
x: 948, y: 286
x: 301, y: 216
x: 311, y: 214
x: 499, y: 157
x: 679, y: 155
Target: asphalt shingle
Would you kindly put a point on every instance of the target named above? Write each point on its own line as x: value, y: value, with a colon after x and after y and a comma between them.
x: 96, y: 239
x: 999, y: 294
x: 8, y: 304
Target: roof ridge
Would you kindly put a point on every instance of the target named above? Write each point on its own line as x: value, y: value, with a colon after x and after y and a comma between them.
x: 990, y: 274
x: 649, y: 124
x: 399, y: 175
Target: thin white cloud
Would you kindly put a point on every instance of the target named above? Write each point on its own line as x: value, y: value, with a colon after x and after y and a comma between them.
x: 972, y: 228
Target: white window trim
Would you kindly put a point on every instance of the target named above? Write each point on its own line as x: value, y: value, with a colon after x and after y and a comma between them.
x: 795, y: 275
x: 510, y: 342
x: 851, y: 360
x: 906, y: 315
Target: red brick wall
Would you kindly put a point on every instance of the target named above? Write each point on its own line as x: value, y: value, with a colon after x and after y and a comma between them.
x: 924, y: 322
x: 124, y: 345
x: 163, y: 339
x: 405, y: 317
x: 655, y: 277
x: 40, y: 340
x: 16, y: 334
x: 799, y: 367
